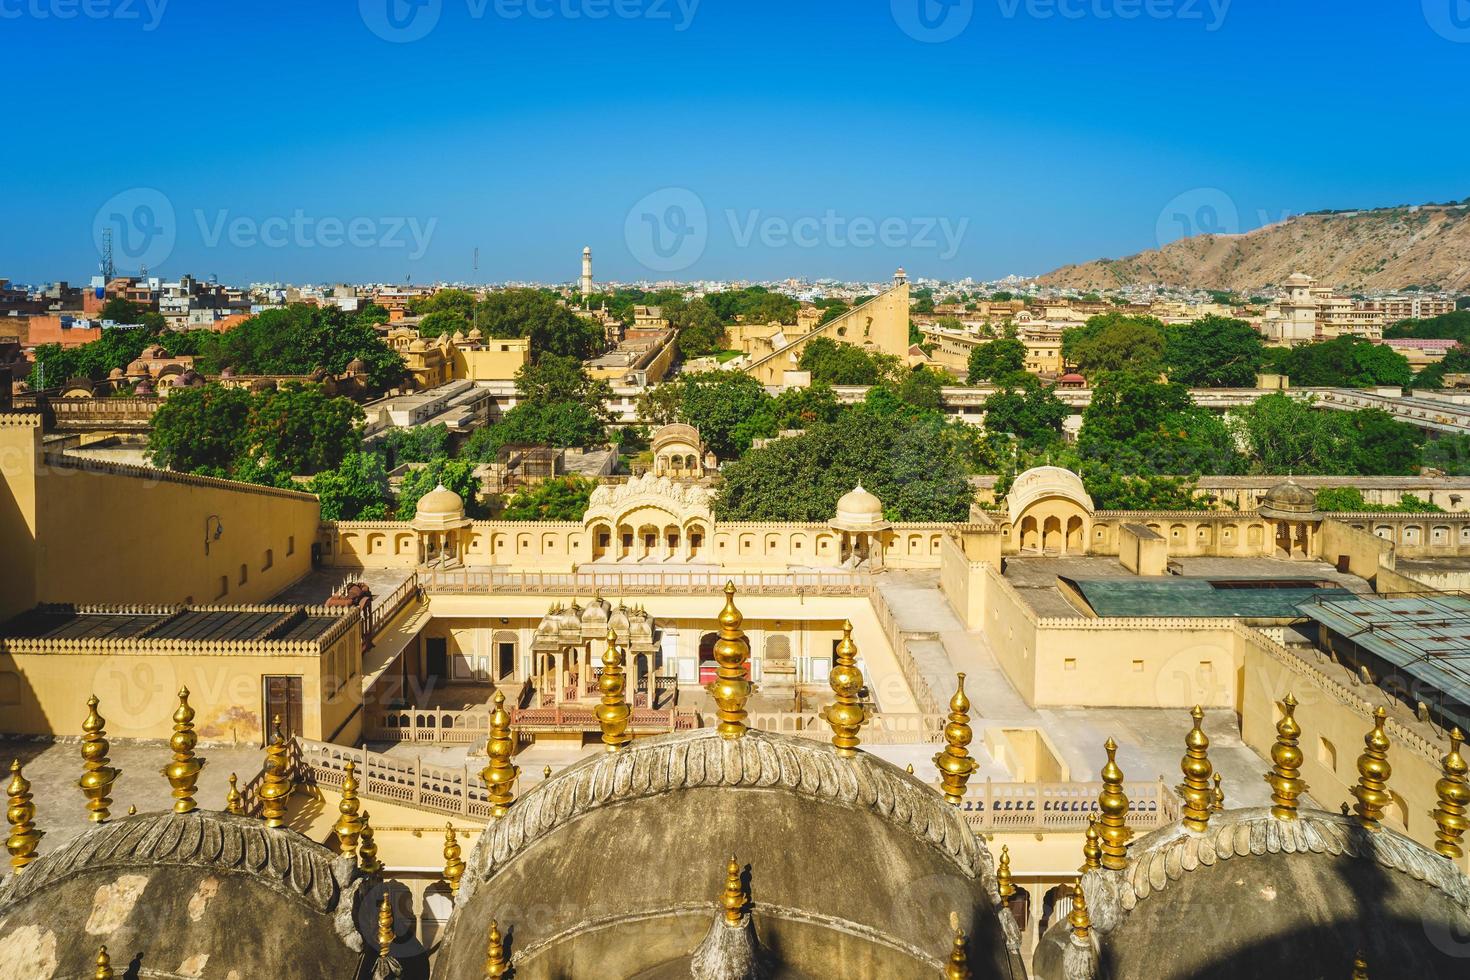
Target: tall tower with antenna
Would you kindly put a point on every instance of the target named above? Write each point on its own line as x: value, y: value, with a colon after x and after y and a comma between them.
x: 109, y: 270
x: 587, y: 287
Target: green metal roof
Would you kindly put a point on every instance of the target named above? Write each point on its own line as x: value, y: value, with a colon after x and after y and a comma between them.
x: 1238, y: 598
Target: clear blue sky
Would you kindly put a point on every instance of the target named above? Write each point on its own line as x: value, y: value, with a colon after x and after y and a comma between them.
x: 1044, y: 132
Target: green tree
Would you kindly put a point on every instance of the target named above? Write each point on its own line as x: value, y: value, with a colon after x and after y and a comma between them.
x: 120, y: 310
x: 553, y: 379
x: 1287, y: 435
x: 416, y: 445
x: 1029, y: 411
x: 560, y: 425
x: 1449, y: 454
x: 199, y: 428
x: 1347, y: 362
x: 754, y: 304
x: 456, y: 474
x: 996, y: 361
x: 301, y: 429
x: 834, y: 363
x: 916, y: 466
x: 300, y: 340
x: 457, y: 301
x: 553, y: 327
x: 442, y: 322
x: 700, y: 331
x: 562, y: 499
x: 357, y: 490
x: 1115, y: 342
x: 1137, y: 426
x: 659, y: 405
x: 720, y: 404
x: 923, y: 388
x: 1213, y: 352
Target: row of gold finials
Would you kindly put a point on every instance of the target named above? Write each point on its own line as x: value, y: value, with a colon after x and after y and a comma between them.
x: 1106, y: 839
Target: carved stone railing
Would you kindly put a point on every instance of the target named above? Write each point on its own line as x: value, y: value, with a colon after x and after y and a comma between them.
x: 898, y: 641
x: 382, y: 613
x: 992, y: 807
x: 648, y: 582
x: 884, y: 729
x: 410, y: 782
x: 436, y: 726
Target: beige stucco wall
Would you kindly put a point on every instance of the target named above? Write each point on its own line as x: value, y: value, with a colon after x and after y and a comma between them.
x: 881, y: 324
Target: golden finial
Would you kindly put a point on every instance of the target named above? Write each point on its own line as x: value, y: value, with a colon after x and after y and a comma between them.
x: 234, y: 803
x: 1360, y: 967
x: 1373, y: 773
x: 495, y: 964
x: 385, y: 926
x: 1197, y: 771
x: 1004, y: 884
x: 910, y: 769
x: 958, y: 967
x: 275, y: 788
x: 349, y: 824
x: 453, y: 863
x: 183, y: 772
x: 730, y: 689
x: 954, y: 762
x: 546, y: 772
x: 1454, y: 795
x: 97, y: 775
x: 733, y: 897
x: 1091, y: 846
x: 499, y: 773
x: 104, y: 965
x: 367, y: 849
x: 613, y: 712
x: 1112, y: 803
x: 132, y: 809
x: 1217, y: 798
x: 1285, y: 776
x: 21, y: 815
x: 1080, y: 921
x: 847, y: 715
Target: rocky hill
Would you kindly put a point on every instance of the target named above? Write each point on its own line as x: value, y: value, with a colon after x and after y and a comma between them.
x: 1387, y: 248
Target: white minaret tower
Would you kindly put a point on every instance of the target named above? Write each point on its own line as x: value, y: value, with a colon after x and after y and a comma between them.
x: 587, y: 272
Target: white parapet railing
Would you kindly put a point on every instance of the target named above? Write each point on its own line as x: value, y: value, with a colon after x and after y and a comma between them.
x: 619, y: 582
x: 989, y: 807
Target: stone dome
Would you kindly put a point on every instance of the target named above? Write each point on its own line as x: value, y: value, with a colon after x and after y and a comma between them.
x: 1255, y: 896
x: 418, y: 345
x: 171, y: 892
x: 116, y: 374
x: 138, y: 369
x: 440, y: 509
x: 357, y: 366
x: 855, y: 867
x: 859, y: 510
x: 1290, y: 501
x: 227, y: 372
x: 476, y: 335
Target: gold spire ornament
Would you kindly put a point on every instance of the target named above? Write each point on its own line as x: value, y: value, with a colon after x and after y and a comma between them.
x: 1197, y: 771
x: 367, y: 849
x: 1285, y: 776
x: 385, y: 926
x: 1079, y: 920
x: 97, y: 775
x: 104, y: 966
x: 348, y: 824
x: 1217, y: 798
x: 846, y: 715
x: 1091, y: 846
x: 613, y: 712
x: 546, y: 772
x: 495, y: 963
x: 954, y: 762
x: 1373, y: 772
x: 730, y: 688
x: 275, y: 788
x: 183, y: 771
x: 1112, y: 803
x: 1454, y: 798
x: 234, y: 802
x: 958, y: 967
x: 453, y: 862
x: 21, y: 815
x: 1360, y: 967
x: 732, y: 899
x: 500, y: 773
x: 1003, y: 881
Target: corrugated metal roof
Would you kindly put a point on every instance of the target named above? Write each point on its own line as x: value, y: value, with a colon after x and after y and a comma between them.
x: 1241, y: 598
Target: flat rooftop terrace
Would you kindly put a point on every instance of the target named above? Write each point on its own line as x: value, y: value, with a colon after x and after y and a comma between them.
x: 1114, y: 591
x: 251, y: 623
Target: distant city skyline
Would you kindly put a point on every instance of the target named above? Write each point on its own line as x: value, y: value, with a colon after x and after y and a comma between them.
x: 697, y: 139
